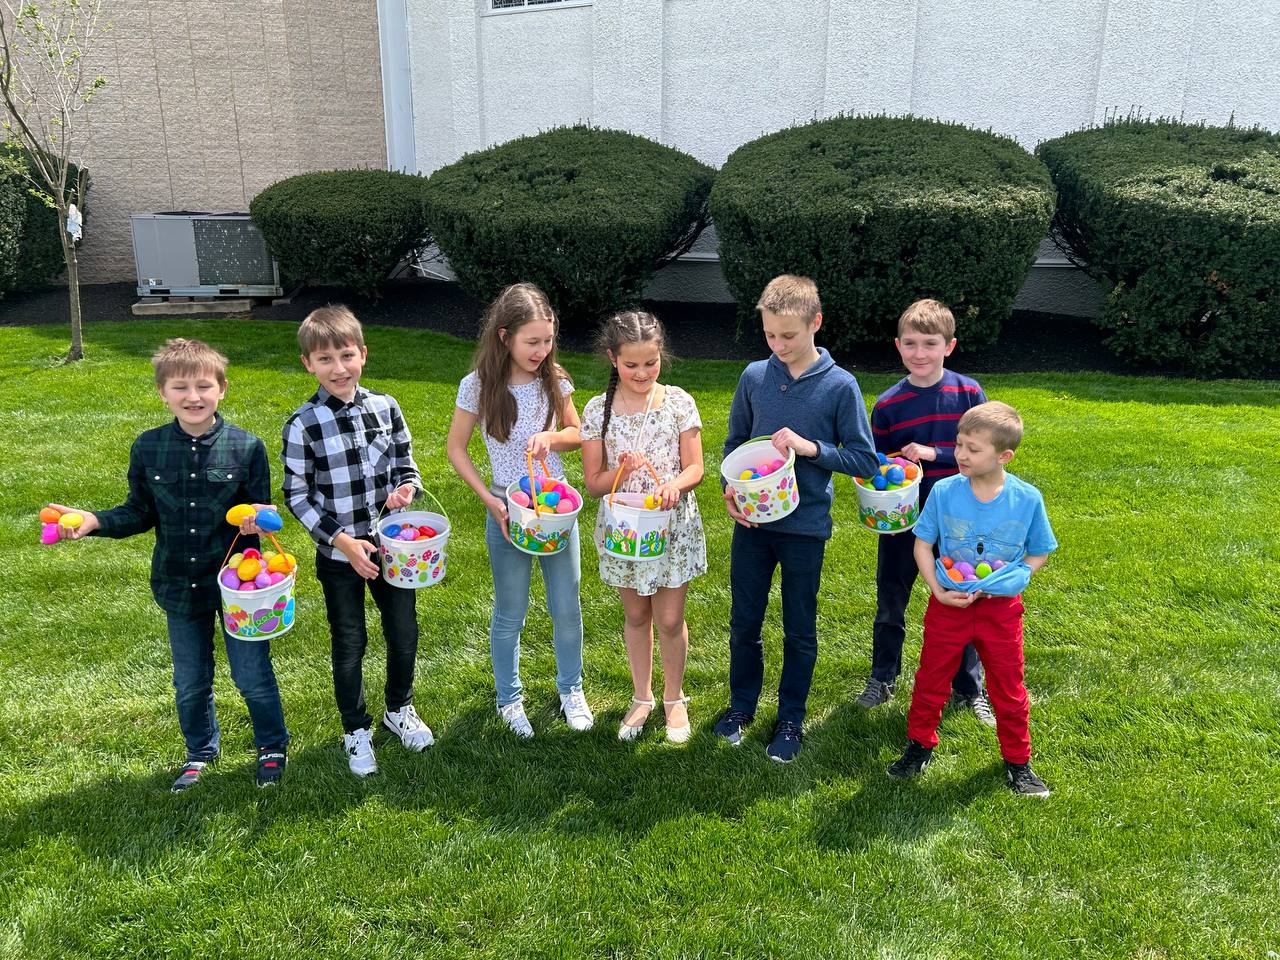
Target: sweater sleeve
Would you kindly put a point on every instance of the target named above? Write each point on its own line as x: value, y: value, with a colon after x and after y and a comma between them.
x: 138, y: 512
x: 854, y: 453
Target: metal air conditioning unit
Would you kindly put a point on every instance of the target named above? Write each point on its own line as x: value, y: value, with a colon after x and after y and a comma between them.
x: 189, y: 254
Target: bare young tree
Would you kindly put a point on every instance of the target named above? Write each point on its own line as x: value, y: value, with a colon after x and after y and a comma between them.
x: 46, y: 86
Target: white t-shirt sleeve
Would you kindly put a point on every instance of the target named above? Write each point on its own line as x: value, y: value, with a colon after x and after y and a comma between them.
x: 469, y: 394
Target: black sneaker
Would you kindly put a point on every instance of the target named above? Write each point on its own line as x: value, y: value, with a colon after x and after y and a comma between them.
x: 875, y: 693
x: 189, y: 775
x: 1023, y: 781
x: 785, y: 745
x: 731, y: 724
x: 978, y: 703
x: 912, y: 762
x: 271, y: 764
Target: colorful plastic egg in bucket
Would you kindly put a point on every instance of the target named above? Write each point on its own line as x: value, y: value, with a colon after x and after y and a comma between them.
x: 887, y: 505
x: 410, y: 560
x: 769, y: 496
x: 546, y: 530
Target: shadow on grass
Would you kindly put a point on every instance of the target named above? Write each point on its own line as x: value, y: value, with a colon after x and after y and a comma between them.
x: 479, y: 777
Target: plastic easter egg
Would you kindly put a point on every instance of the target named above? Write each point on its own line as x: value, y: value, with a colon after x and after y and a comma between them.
x: 997, y: 564
x: 240, y: 513
x: 278, y: 564
x: 524, y: 486
x: 408, y: 533
x: 551, y: 499
x: 267, y: 555
x: 948, y: 562
x: 262, y: 580
x: 575, y: 500
x: 428, y: 532
x: 884, y: 469
x: 520, y: 498
x: 49, y: 515
x: 391, y: 530
x: 955, y: 575
x: 764, y: 469
x: 859, y: 481
x: 71, y: 520
x: 235, y: 560
x: 268, y: 520
x: 882, y: 458
x: 252, y: 554
x: 895, y: 474
x: 275, y: 578
x: 745, y: 475
x: 982, y: 570
x: 879, y: 482
x: 966, y: 569
x: 249, y: 568
x: 229, y: 578
x: 911, y: 471
x: 778, y: 464
x: 49, y: 533
x: 248, y: 585
x: 564, y: 506
x: 754, y: 475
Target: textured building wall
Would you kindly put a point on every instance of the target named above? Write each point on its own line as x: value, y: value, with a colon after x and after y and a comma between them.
x: 207, y: 103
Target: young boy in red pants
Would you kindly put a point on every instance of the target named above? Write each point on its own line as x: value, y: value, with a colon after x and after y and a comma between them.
x: 997, y: 524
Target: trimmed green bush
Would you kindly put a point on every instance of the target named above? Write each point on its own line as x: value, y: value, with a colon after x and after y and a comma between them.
x: 349, y: 228
x: 39, y: 258
x: 12, y: 213
x: 1181, y: 222
x: 586, y: 214
x: 881, y: 211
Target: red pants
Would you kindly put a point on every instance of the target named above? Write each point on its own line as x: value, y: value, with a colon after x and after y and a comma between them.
x: 994, y: 626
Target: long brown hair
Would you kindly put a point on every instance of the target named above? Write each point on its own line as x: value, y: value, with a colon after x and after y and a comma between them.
x: 515, y: 306
x: 627, y: 326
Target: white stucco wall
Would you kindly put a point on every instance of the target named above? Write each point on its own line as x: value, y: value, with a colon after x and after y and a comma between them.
x: 708, y: 75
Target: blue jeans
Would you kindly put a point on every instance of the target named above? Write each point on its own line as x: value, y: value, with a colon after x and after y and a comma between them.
x: 752, y: 559
x: 191, y: 641
x: 512, y: 573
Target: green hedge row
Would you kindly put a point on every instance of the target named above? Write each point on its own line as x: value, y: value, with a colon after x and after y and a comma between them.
x: 1181, y: 223
x: 30, y: 243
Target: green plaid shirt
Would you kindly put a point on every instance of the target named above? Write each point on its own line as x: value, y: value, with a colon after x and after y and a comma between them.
x: 183, y: 486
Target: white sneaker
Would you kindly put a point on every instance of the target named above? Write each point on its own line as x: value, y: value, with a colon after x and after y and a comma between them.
x: 359, y: 747
x: 513, y: 716
x: 408, y: 726
x: 576, y: 712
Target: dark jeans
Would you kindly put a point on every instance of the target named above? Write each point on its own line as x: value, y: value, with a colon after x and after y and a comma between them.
x: 191, y: 641
x: 896, y: 572
x: 752, y: 559
x: 344, y: 601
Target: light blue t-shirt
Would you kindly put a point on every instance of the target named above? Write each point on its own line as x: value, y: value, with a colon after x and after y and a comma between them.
x: 1012, y: 526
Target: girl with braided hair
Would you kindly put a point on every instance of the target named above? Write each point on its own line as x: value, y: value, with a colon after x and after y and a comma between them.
x: 637, y: 429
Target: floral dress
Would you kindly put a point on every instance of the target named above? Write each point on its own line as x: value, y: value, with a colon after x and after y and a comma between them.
x: 686, y: 550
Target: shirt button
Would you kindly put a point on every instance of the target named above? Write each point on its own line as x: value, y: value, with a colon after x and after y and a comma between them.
x: 193, y: 559
x: 784, y: 388
x: 193, y: 586
x: 193, y: 503
x: 157, y: 476
x: 230, y: 476
x: 193, y: 476
x: 193, y: 529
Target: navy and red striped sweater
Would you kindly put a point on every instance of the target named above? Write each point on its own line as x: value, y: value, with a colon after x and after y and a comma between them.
x: 906, y: 414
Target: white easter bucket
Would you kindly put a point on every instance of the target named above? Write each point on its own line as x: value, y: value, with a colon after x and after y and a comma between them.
x: 889, y: 511
x: 771, y: 496
x: 413, y: 564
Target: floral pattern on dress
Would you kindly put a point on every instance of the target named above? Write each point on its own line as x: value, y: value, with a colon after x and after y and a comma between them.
x: 686, y: 553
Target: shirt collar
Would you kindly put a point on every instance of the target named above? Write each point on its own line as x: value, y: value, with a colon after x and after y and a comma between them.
x: 207, y: 438
x: 823, y: 362
x: 337, y: 405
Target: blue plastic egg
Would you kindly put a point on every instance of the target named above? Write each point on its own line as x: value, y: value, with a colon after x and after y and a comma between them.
x: 896, y: 474
x: 550, y: 499
x: 882, y: 458
x: 879, y: 482
x: 391, y: 530
x: 268, y: 520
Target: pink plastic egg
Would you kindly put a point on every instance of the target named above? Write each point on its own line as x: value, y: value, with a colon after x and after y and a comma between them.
x: 564, y: 506
x: 520, y: 498
x: 275, y: 578
x: 248, y: 585
x: 49, y: 533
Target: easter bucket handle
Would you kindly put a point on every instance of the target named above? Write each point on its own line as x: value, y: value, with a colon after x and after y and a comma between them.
x: 236, y: 538
x: 383, y: 509
x: 618, y: 477
x: 537, y: 510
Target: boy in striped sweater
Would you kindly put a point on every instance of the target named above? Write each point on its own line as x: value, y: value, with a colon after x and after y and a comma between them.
x: 918, y: 416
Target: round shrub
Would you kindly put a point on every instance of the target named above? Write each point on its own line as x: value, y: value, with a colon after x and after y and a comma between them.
x: 586, y: 214
x: 12, y: 213
x: 881, y: 211
x: 1181, y: 222
x: 348, y: 228
x: 39, y: 256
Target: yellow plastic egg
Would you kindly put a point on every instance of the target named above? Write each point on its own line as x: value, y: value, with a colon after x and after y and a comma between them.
x: 745, y: 475
x: 248, y: 569
x: 240, y: 513
x: 71, y: 520
x: 651, y: 502
x: 235, y: 560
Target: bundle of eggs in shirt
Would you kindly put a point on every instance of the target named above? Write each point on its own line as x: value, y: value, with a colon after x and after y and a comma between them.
x: 961, y: 571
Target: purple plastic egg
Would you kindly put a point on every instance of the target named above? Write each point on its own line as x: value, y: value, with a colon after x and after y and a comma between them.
x: 262, y: 580
x: 248, y: 585
x: 966, y: 569
x: 230, y: 579
x: 997, y: 564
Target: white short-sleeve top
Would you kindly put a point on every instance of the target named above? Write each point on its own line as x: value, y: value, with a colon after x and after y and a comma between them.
x: 507, y: 460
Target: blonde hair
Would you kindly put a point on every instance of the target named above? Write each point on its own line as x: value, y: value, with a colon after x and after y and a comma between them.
x: 999, y: 420
x: 331, y: 326
x: 928, y: 317
x: 791, y: 296
x: 180, y: 357
x: 516, y: 305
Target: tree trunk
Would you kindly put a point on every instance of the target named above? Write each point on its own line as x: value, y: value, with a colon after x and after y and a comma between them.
x: 73, y: 287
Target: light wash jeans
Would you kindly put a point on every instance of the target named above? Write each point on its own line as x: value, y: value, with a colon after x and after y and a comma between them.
x: 512, y: 573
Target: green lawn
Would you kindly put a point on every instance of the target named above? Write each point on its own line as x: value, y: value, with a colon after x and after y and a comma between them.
x: 1151, y: 650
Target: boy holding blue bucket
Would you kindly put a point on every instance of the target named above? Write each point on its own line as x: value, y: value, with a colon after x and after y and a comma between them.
x: 348, y: 456
x: 806, y: 404
x: 918, y: 417
x: 183, y: 477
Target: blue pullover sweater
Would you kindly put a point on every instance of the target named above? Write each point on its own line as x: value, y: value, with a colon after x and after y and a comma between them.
x: 824, y: 405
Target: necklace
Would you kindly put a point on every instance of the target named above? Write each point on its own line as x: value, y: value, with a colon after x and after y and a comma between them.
x: 649, y: 398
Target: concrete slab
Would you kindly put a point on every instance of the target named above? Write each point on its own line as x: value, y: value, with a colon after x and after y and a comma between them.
x: 190, y: 308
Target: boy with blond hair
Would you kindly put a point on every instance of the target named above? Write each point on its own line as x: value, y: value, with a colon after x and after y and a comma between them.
x: 997, y: 523
x: 348, y: 456
x: 917, y: 417
x: 806, y: 404
x: 183, y: 478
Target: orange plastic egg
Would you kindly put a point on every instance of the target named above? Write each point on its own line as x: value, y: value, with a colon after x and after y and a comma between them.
x: 956, y: 575
x: 49, y: 515
x: 911, y: 471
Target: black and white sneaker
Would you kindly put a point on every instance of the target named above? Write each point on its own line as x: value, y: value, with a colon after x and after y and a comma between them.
x: 189, y: 775
x: 875, y: 693
x: 978, y: 703
x: 912, y: 762
x: 731, y: 725
x: 271, y: 763
x: 785, y: 745
x: 1023, y: 781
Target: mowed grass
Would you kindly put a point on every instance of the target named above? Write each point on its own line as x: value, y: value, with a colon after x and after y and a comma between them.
x: 1151, y: 648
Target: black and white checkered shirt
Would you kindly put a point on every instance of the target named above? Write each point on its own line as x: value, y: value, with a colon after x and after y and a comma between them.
x: 342, y: 460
